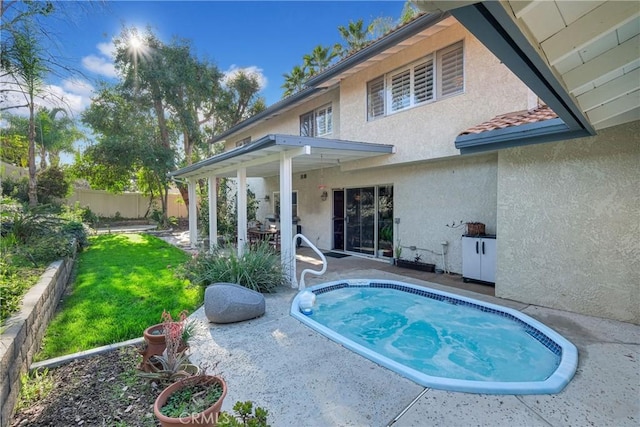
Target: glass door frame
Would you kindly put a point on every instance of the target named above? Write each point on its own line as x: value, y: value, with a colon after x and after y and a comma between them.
x: 376, y: 216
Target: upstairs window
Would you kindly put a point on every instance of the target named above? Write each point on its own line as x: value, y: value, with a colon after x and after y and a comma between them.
x: 244, y: 141
x: 437, y: 76
x: 318, y: 122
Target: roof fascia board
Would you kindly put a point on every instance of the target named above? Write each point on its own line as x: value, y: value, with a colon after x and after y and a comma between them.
x: 497, y: 30
x: 377, y: 47
x: 516, y: 136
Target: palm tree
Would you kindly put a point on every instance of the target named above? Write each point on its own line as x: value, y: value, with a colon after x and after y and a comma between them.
x: 319, y: 59
x: 23, y: 61
x: 294, y: 82
x: 409, y: 11
x: 355, y: 35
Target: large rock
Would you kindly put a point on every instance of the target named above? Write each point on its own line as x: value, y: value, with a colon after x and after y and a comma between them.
x: 228, y: 303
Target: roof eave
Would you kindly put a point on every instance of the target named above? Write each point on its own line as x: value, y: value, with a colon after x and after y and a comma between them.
x: 515, y: 136
x: 408, y: 30
x: 494, y: 27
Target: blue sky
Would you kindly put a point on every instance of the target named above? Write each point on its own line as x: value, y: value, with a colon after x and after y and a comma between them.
x: 267, y: 37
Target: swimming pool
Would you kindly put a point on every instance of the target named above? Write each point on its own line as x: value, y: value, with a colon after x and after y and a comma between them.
x: 441, y: 340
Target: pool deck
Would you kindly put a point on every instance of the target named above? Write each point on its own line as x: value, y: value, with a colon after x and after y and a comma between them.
x: 305, y: 379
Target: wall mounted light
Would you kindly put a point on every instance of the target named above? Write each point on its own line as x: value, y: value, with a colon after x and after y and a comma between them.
x: 267, y: 198
x: 324, y: 196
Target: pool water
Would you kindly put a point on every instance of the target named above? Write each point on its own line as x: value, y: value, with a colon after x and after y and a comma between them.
x: 436, y: 337
x: 440, y: 339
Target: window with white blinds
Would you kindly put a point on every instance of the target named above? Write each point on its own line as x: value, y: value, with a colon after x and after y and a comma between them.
x: 451, y: 68
x: 318, y: 122
x: 375, y: 98
x: 437, y: 76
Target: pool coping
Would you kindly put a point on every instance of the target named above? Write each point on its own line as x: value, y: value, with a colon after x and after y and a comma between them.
x: 555, y: 383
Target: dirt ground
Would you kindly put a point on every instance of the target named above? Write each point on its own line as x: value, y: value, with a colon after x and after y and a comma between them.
x: 102, y: 390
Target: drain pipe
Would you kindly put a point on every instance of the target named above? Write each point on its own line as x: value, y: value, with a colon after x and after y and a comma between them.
x: 444, y: 244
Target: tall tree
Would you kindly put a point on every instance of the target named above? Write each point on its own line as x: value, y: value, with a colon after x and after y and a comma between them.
x: 409, y: 12
x: 56, y: 133
x: 294, y: 81
x: 238, y: 100
x: 319, y: 59
x: 23, y: 61
x: 355, y: 35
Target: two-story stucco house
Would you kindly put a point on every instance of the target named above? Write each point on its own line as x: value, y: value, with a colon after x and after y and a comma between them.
x: 384, y: 150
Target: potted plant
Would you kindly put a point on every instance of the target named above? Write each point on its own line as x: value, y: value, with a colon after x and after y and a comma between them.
x: 397, y: 252
x: 195, y: 401
x: 155, y: 336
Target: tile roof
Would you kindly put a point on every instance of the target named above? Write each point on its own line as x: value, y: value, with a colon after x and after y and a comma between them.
x: 538, y: 114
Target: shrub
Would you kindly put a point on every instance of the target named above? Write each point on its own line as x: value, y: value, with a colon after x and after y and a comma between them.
x: 52, y: 185
x: 245, y: 415
x: 14, y: 283
x: 258, y: 268
x: 16, y: 188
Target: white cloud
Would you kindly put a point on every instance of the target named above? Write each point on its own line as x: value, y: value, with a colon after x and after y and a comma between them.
x: 107, y: 49
x: 252, y: 69
x: 99, y: 65
x: 73, y: 95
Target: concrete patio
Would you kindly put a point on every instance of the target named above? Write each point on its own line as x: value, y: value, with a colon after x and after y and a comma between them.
x: 303, y: 378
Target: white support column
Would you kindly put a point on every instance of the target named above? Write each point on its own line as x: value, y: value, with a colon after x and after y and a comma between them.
x: 213, y: 213
x: 242, y: 210
x: 287, y: 254
x: 193, y: 214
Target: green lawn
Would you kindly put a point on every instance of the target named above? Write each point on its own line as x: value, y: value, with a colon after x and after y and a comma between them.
x: 123, y: 283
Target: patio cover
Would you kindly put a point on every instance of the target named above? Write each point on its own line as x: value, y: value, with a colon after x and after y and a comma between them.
x: 271, y: 155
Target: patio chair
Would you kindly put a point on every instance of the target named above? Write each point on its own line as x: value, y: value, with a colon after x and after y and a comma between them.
x: 274, y: 241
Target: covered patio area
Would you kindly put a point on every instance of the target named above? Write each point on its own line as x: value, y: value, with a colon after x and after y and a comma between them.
x: 273, y: 155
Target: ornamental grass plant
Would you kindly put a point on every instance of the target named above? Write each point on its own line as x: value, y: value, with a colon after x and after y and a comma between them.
x: 258, y: 269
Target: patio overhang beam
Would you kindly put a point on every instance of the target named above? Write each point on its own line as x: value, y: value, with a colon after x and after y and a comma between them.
x: 261, y: 158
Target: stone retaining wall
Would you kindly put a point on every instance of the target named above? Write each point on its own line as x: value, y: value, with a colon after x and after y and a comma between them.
x: 24, y: 332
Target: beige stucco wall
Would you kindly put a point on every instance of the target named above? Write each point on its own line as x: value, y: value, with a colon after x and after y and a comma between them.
x: 428, y: 131
x: 569, y: 224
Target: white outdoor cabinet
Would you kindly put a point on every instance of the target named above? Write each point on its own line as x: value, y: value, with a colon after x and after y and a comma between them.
x: 479, y: 258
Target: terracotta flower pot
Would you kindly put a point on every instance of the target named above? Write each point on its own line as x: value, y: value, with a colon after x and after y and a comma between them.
x: 155, y: 345
x: 207, y: 418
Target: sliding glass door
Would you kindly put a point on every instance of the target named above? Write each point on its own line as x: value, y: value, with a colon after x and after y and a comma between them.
x: 360, y: 218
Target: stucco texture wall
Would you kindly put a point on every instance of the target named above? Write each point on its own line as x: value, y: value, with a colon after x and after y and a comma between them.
x: 569, y: 228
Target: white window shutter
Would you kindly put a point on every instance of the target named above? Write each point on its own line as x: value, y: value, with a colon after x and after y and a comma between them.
x: 423, y: 82
x: 401, y: 90
x: 375, y: 98
x: 452, y: 70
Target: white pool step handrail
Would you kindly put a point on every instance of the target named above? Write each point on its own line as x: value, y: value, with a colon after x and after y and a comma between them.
x: 294, y: 282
